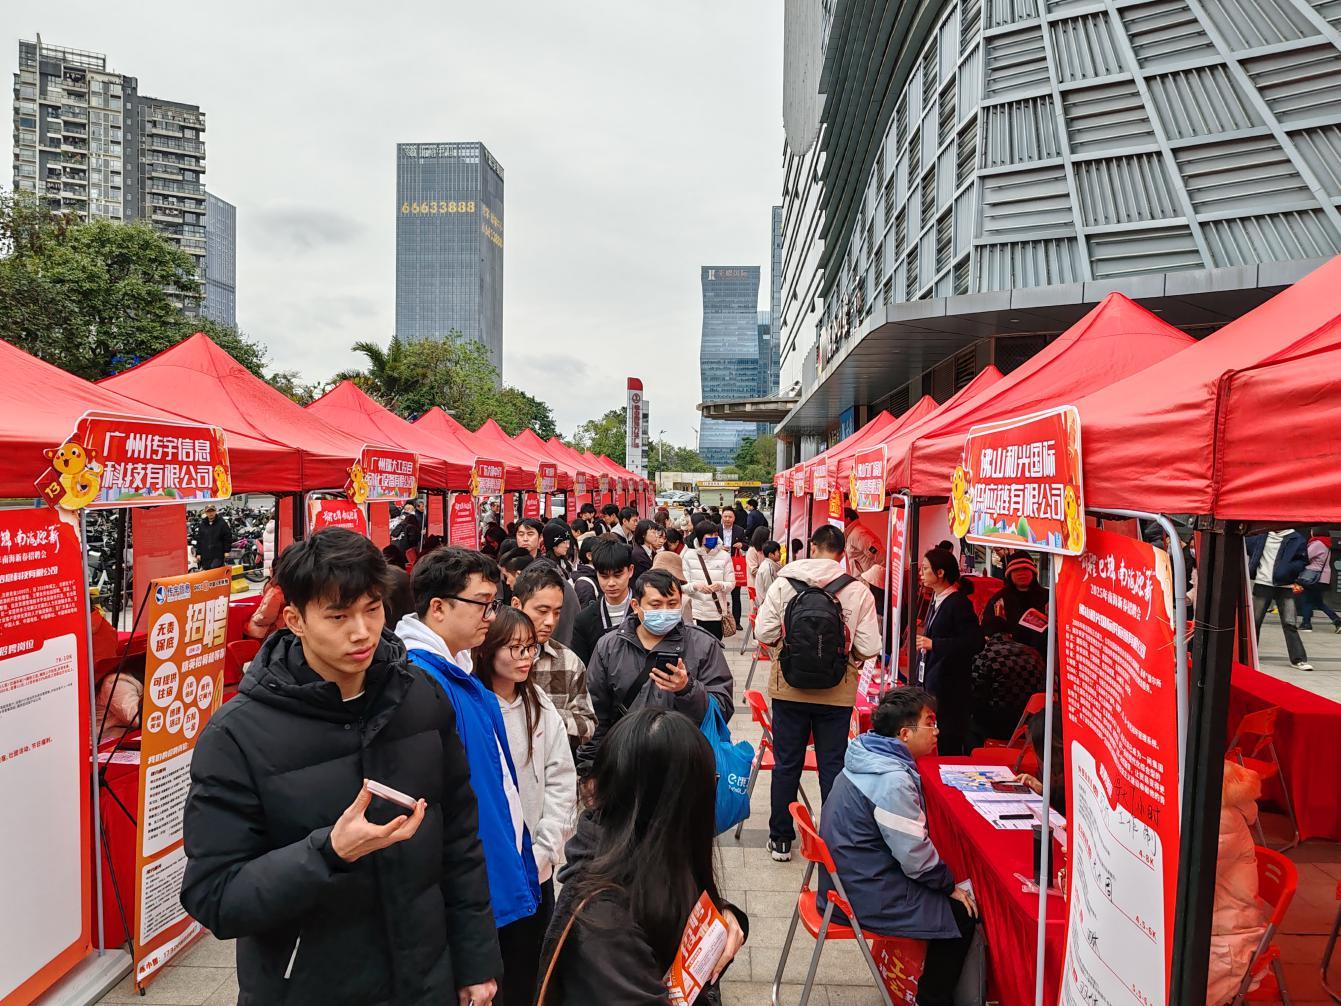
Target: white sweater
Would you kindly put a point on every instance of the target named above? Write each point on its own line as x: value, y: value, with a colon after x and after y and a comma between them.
x: 719, y: 566
x: 547, y: 780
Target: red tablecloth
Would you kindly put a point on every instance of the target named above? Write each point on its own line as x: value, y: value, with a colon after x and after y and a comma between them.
x: 972, y: 848
x: 1308, y: 741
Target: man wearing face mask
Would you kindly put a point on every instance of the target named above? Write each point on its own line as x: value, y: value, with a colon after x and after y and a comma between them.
x: 654, y: 659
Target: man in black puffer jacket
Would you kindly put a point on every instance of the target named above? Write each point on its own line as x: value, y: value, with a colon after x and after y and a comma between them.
x: 336, y: 896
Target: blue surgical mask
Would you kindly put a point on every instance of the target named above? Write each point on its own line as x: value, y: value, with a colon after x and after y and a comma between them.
x: 661, y: 621
x: 710, y: 542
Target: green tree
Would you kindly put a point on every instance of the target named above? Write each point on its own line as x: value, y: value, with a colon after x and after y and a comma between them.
x: 97, y: 297
x: 602, y: 436
x: 755, y: 460
x: 290, y: 383
x: 515, y: 411
x: 663, y: 456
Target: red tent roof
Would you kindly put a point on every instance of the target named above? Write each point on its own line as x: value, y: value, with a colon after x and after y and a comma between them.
x: 576, y: 462
x: 439, y: 425
x: 1241, y: 425
x: 876, y: 427
x: 1115, y: 339
x: 531, y: 441
x: 198, y: 380
x: 442, y: 464
x: 491, y: 432
x: 922, y: 412
x: 43, y: 403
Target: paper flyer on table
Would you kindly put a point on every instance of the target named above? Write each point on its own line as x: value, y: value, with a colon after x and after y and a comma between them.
x: 701, y: 947
x: 975, y: 778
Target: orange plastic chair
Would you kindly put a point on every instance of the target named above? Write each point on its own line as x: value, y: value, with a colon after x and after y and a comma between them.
x: 1256, y: 737
x: 821, y: 926
x: 760, y: 653
x: 763, y: 754
x: 1327, y: 953
x: 1277, y: 881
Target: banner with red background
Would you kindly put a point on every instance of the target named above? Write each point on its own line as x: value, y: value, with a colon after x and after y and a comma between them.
x: 546, y: 477
x: 463, y: 530
x: 383, y: 475
x: 867, y: 480
x: 336, y: 513
x: 486, y: 478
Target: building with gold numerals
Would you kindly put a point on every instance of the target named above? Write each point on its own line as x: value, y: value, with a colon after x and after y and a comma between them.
x: 449, y: 244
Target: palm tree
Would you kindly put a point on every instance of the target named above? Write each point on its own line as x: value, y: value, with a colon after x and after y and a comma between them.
x: 383, y: 378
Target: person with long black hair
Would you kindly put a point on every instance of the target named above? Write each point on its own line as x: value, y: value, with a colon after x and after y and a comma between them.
x: 641, y: 858
x: 951, y: 637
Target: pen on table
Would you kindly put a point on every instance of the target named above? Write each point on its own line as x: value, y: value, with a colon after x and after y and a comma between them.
x: 1015, y: 817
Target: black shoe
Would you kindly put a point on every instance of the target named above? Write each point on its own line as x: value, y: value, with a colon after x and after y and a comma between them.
x: 780, y: 851
x: 1305, y: 628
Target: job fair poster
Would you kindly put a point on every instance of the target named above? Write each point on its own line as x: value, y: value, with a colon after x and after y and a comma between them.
x: 45, y: 853
x: 183, y: 686
x: 1120, y: 730
x: 463, y: 530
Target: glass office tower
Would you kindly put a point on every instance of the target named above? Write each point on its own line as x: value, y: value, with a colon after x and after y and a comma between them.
x: 729, y: 365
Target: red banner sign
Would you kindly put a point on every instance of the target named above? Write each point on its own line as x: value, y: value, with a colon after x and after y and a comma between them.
x: 579, y: 483
x: 119, y: 461
x: 819, y: 481
x: 799, y: 482
x: 159, y: 534
x: 183, y: 687
x: 336, y: 513
x: 46, y: 844
x: 546, y: 478
x: 1020, y: 484
x: 1120, y: 730
x: 531, y: 506
x: 382, y: 475
x: 866, y: 486
x: 463, y: 529
x: 603, y: 483
x: 486, y: 478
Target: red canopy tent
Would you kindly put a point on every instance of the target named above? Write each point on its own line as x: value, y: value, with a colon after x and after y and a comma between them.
x: 1114, y: 340
x: 576, y: 461
x: 197, y: 380
x: 520, y: 472
x: 877, y: 427
x: 491, y: 432
x: 348, y: 407
x: 529, y: 440
x: 43, y: 403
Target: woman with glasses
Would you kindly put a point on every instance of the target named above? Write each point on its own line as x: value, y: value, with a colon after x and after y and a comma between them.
x: 546, y: 777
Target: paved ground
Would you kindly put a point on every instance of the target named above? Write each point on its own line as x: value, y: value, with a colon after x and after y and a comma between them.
x: 205, y: 976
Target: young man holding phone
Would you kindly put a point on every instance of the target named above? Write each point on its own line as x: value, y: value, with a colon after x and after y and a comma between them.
x: 336, y: 895
x: 654, y: 659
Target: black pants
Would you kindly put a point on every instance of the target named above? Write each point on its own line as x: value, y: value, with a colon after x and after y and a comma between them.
x: 520, y: 943
x: 945, y: 960
x: 713, y: 627
x: 735, y: 604
x: 793, y: 725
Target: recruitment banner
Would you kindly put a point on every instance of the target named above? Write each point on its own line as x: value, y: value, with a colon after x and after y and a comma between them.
x: 436, y: 522
x: 867, y: 480
x: 799, y: 482
x: 486, y: 478
x: 603, y: 484
x: 183, y: 686
x: 579, y: 483
x: 463, y: 530
x: 546, y: 478
x: 383, y: 475
x: 113, y: 460
x: 1120, y: 730
x: 531, y: 506
x: 336, y: 513
x: 46, y: 841
x: 1020, y: 484
x: 819, y: 481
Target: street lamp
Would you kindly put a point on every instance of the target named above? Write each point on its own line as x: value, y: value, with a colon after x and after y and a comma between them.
x: 661, y: 450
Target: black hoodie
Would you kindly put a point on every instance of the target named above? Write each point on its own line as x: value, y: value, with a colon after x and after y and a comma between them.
x: 272, y: 772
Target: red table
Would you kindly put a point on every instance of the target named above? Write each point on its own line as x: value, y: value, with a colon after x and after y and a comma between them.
x: 972, y: 848
x: 1308, y: 741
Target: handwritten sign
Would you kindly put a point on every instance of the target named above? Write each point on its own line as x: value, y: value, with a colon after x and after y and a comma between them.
x: 1020, y: 484
x: 382, y: 475
x: 867, y: 481
x: 486, y: 478
x: 1120, y: 729
x: 120, y: 461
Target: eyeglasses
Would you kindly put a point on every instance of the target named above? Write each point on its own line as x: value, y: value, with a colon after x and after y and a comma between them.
x: 490, y: 607
x: 523, y: 652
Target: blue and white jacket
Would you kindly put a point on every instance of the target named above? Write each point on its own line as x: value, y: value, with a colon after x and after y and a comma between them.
x: 514, y: 882
x: 875, y: 826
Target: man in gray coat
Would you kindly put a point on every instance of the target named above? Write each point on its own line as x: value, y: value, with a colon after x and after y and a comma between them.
x: 654, y: 659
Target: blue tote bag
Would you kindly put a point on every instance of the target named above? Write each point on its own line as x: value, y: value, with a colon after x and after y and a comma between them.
x: 733, y: 769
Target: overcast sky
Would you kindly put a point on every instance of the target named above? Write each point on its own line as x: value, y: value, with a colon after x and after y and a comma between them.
x: 639, y: 142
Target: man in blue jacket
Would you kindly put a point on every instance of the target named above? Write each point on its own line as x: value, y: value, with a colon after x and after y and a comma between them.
x: 456, y: 595
x: 875, y: 826
x: 1275, y: 562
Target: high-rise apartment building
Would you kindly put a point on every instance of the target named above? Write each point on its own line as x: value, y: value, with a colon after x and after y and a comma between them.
x: 220, y: 261
x: 449, y: 244
x: 729, y: 355
x: 86, y: 142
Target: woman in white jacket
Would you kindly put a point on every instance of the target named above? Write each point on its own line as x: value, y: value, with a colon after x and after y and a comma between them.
x: 546, y: 779
x: 709, y: 577
x: 1238, y: 919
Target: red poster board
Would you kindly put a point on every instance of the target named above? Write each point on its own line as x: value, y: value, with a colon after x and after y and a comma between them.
x: 1120, y: 729
x: 45, y: 864
x: 486, y: 478
x: 546, y: 478
x: 383, y: 475
x: 463, y: 530
x: 119, y: 461
x: 800, y: 482
x: 436, y: 517
x: 1020, y: 485
x: 335, y: 513
x: 158, y: 534
x: 379, y: 524
x: 867, y: 480
x: 819, y: 481
x: 531, y: 506
x: 579, y: 484
x: 283, y: 528
x: 183, y: 674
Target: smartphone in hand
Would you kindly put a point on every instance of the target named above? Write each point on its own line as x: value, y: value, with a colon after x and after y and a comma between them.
x: 391, y: 795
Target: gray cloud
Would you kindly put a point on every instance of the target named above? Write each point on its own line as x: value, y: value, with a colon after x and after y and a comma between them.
x: 306, y: 228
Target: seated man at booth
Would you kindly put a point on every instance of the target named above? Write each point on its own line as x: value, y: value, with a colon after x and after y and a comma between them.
x: 875, y: 826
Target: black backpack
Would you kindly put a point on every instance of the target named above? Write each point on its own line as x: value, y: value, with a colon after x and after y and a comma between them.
x: 814, y: 639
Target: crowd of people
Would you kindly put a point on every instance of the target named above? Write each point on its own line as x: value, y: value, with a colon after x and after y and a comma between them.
x: 479, y: 775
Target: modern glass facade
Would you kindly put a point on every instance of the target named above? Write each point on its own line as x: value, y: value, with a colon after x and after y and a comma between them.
x: 729, y: 357
x: 449, y: 244
x: 220, y: 260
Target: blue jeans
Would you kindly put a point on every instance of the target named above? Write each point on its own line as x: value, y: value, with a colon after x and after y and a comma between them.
x: 793, y: 725
x: 1311, y: 599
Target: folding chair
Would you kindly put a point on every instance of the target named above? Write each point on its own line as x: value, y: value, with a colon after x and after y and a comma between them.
x: 1327, y: 952
x: 822, y: 927
x: 1255, y: 737
x: 1277, y: 880
x: 760, y: 653
x: 748, y: 634
x: 1019, y: 737
x: 763, y: 754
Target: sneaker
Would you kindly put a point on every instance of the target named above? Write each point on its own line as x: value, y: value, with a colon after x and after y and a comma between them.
x: 1302, y: 665
x: 782, y: 851
x: 1305, y: 628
